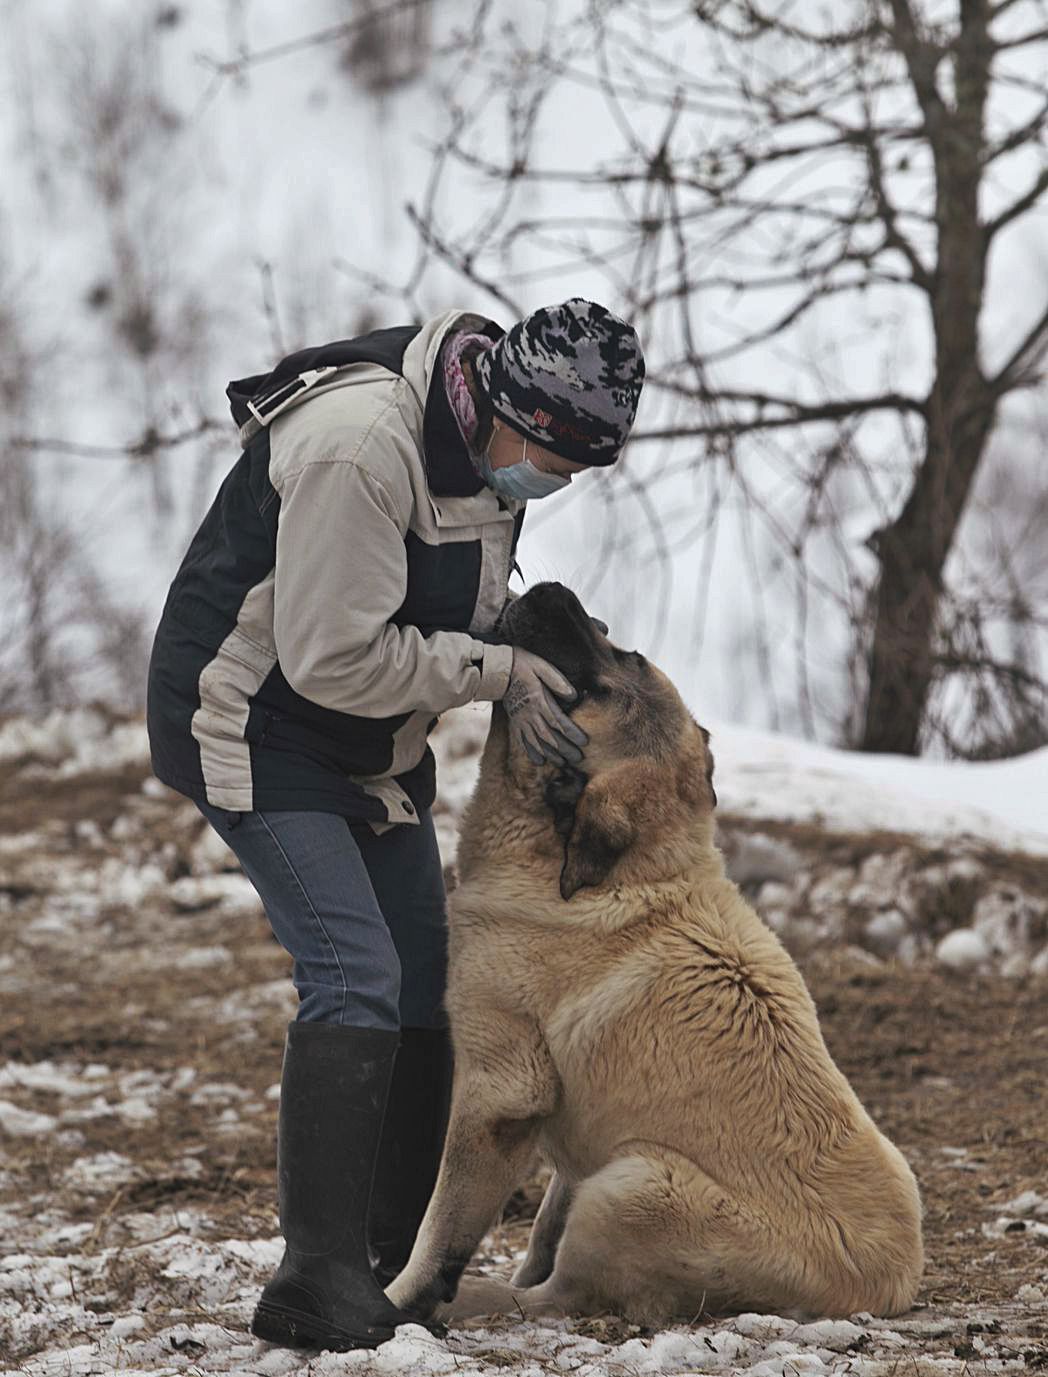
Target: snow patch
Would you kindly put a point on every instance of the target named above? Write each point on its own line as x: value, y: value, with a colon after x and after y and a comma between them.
x: 232, y: 893
x: 24, y: 1123
x: 964, y: 949
x: 100, y: 1171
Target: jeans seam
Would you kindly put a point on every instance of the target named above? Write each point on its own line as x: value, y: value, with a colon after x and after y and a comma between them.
x: 316, y: 916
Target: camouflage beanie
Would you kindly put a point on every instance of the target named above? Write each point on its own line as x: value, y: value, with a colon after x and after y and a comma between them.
x: 567, y: 377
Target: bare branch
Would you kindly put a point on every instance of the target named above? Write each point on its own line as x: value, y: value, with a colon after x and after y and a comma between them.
x: 320, y: 38
x: 794, y: 413
x: 1021, y: 134
x: 149, y: 443
x: 922, y: 59
x: 893, y: 236
x: 1025, y: 202
x: 1026, y: 355
x: 1035, y: 36
x: 464, y: 265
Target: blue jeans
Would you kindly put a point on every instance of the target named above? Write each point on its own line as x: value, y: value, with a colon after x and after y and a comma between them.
x: 363, y: 917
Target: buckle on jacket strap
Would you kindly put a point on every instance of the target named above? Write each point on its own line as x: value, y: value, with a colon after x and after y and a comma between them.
x: 266, y: 406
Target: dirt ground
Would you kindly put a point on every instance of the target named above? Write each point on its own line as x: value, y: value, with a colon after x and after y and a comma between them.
x: 952, y: 1066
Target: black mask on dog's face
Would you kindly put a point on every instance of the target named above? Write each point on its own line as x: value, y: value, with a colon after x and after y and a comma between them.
x: 550, y: 621
x: 643, y: 741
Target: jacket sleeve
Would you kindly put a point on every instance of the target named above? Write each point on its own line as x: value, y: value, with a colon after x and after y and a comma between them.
x: 341, y: 574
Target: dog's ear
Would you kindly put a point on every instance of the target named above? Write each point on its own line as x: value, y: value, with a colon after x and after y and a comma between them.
x: 695, y: 774
x: 562, y: 794
x: 709, y: 766
x: 602, y: 827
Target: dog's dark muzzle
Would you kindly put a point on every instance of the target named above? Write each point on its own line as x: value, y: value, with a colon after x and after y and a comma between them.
x: 550, y: 621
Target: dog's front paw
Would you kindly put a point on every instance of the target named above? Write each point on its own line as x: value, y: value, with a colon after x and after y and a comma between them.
x: 420, y: 1297
x: 410, y: 1297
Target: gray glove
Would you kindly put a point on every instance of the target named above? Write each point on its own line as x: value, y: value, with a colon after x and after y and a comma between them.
x: 536, y: 719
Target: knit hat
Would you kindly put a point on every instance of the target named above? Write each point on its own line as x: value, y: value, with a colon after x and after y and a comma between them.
x: 567, y: 377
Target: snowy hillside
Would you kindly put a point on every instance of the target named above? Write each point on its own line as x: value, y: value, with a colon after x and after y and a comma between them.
x: 142, y: 1005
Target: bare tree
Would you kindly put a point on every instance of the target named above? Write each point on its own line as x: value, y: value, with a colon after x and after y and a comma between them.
x: 63, y: 639
x: 149, y: 302
x: 762, y: 183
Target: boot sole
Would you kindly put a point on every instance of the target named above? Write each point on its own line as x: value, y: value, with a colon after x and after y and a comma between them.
x: 294, y: 1329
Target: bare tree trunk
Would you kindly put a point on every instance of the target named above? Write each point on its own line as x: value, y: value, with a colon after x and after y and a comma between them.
x: 961, y: 406
x: 913, y: 551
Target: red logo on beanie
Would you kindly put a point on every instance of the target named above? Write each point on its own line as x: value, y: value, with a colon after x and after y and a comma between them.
x: 542, y: 418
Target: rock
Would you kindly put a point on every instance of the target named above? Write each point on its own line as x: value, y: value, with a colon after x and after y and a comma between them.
x: 775, y: 894
x: 210, y: 855
x: 882, y: 880
x: 1026, y: 1203
x: 885, y: 930
x: 962, y: 950
x: 774, y: 904
x: 1010, y: 920
x: 234, y: 893
x: 964, y: 868
x: 832, y: 889
x: 1014, y: 967
x: 909, y: 949
x: 755, y: 860
x: 125, y: 827
x: 199, y: 958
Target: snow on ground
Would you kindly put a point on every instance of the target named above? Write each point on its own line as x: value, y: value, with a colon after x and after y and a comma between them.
x: 750, y: 1345
x: 142, y: 1004
x: 1003, y: 802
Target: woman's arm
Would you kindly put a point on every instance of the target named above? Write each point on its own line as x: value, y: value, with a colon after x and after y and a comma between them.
x: 341, y: 574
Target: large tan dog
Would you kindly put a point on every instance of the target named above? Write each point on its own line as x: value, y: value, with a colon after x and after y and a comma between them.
x: 617, y: 1006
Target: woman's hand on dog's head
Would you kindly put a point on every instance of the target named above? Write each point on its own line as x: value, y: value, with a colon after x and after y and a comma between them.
x: 537, y: 721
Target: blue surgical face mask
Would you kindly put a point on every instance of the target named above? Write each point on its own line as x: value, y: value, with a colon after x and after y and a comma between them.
x: 521, y: 480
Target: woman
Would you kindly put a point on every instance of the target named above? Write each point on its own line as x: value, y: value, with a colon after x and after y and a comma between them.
x: 341, y: 593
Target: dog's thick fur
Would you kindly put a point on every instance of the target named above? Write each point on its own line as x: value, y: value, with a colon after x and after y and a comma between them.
x: 618, y: 1006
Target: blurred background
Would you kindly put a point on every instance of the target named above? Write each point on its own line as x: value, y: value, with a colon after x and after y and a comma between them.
x: 827, y: 224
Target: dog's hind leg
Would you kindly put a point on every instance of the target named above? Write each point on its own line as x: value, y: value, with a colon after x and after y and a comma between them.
x: 545, y: 1233
x: 652, y: 1237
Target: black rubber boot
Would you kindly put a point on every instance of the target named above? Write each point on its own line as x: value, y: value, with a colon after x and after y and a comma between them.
x: 412, y: 1141
x: 332, y: 1099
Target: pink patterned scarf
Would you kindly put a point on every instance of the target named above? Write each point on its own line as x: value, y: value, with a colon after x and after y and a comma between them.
x: 462, y: 404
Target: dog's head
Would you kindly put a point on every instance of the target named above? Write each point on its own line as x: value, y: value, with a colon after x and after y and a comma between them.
x: 645, y: 787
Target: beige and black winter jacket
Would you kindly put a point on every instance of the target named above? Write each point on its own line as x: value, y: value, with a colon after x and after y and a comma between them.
x: 336, y: 597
